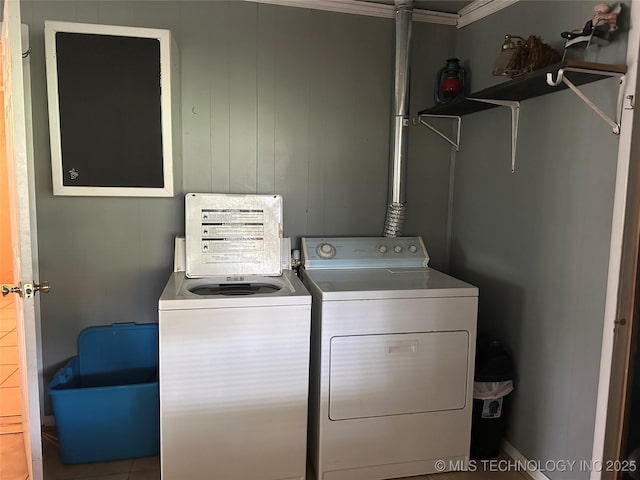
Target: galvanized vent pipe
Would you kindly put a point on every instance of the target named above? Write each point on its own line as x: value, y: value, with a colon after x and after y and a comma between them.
x: 400, y: 121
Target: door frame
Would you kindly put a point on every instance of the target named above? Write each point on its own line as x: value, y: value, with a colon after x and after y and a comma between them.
x: 23, y: 211
x: 26, y: 69
x: 621, y: 278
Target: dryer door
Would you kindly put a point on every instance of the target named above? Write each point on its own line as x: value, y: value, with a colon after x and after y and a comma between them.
x: 380, y: 375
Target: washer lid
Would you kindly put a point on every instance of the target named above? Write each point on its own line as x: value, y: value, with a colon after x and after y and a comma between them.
x: 286, y: 290
x: 233, y: 234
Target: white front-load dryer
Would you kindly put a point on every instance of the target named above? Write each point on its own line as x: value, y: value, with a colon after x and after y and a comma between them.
x: 392, y: 359
x: 234, y: 349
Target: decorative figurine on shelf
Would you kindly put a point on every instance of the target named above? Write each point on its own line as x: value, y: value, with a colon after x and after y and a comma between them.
x: 599, y: 30
x: 524, y: 56
x: 605, y: 17
x: 450, y: 82
x: 507, y: 52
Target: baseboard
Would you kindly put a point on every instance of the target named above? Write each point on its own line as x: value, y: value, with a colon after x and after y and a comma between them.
x: 520, y: 458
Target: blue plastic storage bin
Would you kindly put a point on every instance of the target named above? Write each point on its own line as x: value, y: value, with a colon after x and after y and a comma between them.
x: 105, y: 400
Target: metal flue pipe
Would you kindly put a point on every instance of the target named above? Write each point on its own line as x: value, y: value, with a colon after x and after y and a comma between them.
x: 399, y: 121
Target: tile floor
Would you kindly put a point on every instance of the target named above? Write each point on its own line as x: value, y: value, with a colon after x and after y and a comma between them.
x: 149, y: 469
x: 13, y: 462
x: 133, y: 469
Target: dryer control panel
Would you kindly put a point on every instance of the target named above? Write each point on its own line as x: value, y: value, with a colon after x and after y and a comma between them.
x: 364, y: 252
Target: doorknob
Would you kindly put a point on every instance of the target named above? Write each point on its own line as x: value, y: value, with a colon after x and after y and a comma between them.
x: 42, y: 287
x: 27, y: 290
x: 7, y: 289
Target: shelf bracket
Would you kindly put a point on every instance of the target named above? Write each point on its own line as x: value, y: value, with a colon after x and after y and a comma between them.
x: 515, y: 116
x: 614, y: 124
x: 456, y: 143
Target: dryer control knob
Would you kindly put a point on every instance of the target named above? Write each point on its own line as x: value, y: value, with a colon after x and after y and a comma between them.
x: 413, y: 249
x: 382, y: 249
x: 326, y: 250
x: 397, y: 248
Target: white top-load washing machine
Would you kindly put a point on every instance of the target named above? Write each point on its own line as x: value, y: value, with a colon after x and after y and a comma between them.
x: 392, y: 359
x: 234, y: 348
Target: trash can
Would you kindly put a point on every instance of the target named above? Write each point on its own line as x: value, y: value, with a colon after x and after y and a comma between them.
x: 493, y: 382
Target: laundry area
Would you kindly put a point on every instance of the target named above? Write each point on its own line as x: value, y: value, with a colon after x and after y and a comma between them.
x: 323, y: 211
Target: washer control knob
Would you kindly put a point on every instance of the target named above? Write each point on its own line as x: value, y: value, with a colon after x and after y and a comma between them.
x: 397, y: 248
x: 413, y: 248
x: 382, y: 248
x: 326, y: 250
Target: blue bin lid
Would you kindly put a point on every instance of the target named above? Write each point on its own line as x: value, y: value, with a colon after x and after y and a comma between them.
x: 121, y: 346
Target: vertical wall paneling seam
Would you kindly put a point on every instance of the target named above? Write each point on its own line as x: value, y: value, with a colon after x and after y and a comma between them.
x: 449, y: 224
x: 615, y: 252
x: 308, y: 174
x: 275, y: 115
x: 311, y: 73
x: 228, y: 87
x: 275, y: 124
x: 257, y: 115
x: 276, y: 83
x: 211, y: 115
x: 309, y: 132
x: 138, y: 246
x: 275, y: 109
x: 211, y: 119
x: 331, y: 28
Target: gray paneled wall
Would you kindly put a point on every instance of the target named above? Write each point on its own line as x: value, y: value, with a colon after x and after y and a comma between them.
x: 537, y: 242
x: 297, y: 102
x: 274, y: 100
x: 429, y: 157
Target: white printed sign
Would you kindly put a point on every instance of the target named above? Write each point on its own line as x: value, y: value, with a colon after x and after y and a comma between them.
x: 233, y: 234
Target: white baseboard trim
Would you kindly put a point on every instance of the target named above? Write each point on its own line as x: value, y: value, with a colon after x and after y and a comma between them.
x: 518, y: 457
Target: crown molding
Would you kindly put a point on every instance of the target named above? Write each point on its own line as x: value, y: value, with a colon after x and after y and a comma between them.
x: 441, y: 18
x: 365, y: 8
x: 342, y: 6
x: 473, y: 12
x: 480, y: 9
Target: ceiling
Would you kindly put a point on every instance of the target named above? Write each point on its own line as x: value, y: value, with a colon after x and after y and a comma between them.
x: 446, y: 6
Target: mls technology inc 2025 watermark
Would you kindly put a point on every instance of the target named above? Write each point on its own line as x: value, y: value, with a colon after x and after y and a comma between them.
x: 507, y: 465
